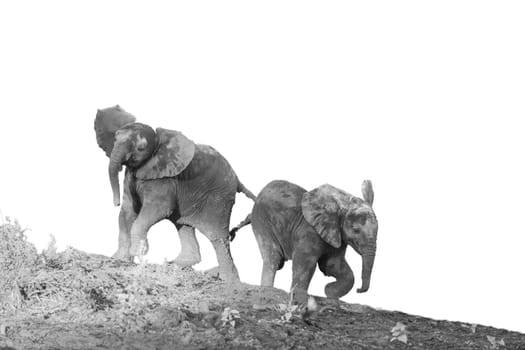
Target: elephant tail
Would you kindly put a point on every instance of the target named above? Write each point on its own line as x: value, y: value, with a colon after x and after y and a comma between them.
x: 243, y: 223
x: 247, y: 192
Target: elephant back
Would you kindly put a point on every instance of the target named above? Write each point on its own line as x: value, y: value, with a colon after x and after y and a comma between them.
x: 282, y: 194
x: 209, y: 166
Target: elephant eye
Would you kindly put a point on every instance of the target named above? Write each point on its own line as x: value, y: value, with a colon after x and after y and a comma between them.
x: 141, y: 146
x: 361, y: 220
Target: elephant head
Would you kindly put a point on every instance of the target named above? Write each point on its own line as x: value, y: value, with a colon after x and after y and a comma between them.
x: 340, y: 218
x: 150, y: 154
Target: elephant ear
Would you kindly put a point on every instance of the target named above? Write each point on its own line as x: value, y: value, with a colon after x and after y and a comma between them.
x: 322, y: 208
x: 107, y: 122
x: 174, y: 153
x: 368, y: 192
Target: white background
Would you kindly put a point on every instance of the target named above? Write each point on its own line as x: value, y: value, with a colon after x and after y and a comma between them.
x: 425, y: 99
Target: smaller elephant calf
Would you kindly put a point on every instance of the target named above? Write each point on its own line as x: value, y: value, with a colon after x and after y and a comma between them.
x: 314, y: 228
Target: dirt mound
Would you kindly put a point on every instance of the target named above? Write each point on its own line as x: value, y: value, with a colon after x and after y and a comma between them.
x: 75, y: 300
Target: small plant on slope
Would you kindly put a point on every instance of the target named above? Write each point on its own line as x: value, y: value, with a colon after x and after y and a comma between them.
x: 229, y: 316
x: 290, y: 310
x: 399, y: 332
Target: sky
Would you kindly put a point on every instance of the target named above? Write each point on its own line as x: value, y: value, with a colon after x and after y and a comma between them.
x: 425, y: 99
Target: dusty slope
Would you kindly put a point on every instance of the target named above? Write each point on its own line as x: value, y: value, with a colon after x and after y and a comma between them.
x: 74, y: 300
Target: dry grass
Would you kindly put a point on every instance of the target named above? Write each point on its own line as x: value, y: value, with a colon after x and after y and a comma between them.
x: 18, y: 260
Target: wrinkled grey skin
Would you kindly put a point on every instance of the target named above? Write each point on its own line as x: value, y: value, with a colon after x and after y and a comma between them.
x: 313, y: 228
x: 168, y: 177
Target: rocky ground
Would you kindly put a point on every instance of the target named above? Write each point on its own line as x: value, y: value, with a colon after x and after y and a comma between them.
x: 74, y: 300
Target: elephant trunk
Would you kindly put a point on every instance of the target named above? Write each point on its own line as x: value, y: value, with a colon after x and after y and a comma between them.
x: 115, y: 165
x: 368, y: 258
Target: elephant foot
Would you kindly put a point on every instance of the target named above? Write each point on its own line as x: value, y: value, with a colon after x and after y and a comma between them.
x: 187, y: 260
x: 336, y: 290
x: 139, y: 247
x: 122, y: 254
x: 300, y: 296
x: 229, y: 274
x: 231, y: 278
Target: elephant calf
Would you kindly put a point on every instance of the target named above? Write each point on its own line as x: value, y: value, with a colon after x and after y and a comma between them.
x: 168, y: 176
x: 314, y: 228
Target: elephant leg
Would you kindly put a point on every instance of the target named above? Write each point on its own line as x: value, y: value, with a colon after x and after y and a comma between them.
x: 268, y: 273
x: 270, y: 267
x: 272, y: 259
x: 337, y: 267
x: 303, y: 268
x: 189, y: 246
x: 126, y: 218
x: 221, y: 244
x: 148, y: 216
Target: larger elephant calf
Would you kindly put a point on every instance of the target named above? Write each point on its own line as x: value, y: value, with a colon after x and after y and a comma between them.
x: 313, y: 228
x: 168, y: 177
